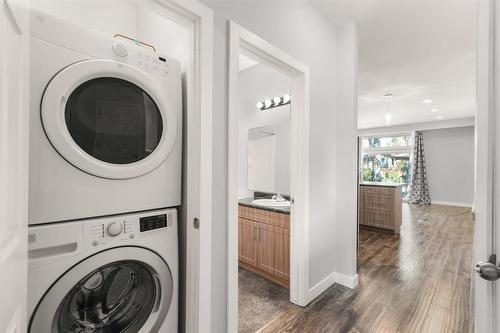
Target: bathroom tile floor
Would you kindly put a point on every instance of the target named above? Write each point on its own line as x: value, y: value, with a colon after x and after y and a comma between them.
x: 259, y: 300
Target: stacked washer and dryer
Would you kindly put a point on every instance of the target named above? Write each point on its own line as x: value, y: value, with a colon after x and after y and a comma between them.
x: 105, y: 181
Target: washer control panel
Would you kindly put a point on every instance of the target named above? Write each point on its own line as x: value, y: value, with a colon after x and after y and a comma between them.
x: 127, y: 227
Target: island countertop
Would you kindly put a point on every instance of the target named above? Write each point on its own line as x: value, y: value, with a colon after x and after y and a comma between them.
x: 380, y: 184
x: 248, y: 203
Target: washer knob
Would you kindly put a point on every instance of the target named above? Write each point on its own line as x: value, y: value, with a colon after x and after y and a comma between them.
x: 120, y: 49
x: 114, y: 229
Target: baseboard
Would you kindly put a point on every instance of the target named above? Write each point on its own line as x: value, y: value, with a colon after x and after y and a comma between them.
x: 321, y: 286
x: 449, y: 203
x: 345, y: 280
x: 350, y: 282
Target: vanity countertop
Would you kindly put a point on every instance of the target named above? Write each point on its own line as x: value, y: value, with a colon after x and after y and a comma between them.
x: 380, y: 184
x: 248, y: 202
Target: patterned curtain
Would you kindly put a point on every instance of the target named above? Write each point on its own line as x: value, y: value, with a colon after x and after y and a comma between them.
x: 419, y: 191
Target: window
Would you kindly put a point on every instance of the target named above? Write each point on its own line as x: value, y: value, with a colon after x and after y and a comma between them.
x: 387, y: 159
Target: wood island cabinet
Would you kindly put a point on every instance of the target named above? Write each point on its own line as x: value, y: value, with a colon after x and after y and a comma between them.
x: 380, y: 206
x: 264, y: 243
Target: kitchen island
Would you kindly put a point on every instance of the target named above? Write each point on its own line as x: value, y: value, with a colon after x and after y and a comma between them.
x: 380, y: 206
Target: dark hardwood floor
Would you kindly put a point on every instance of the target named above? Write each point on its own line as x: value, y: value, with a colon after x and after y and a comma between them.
x: 419, y: 281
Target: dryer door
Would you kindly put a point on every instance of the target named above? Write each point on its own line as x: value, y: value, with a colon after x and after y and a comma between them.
x: 124, y: 289
x: 109, y: 119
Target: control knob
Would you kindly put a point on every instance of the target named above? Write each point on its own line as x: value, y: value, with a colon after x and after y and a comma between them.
x: 114, y: 229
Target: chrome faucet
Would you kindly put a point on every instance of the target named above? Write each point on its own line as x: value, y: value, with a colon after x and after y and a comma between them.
x: 278, y: 197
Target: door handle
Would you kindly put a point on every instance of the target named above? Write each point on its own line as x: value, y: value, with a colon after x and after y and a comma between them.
x: 255, y: 233
x: 488, y: 270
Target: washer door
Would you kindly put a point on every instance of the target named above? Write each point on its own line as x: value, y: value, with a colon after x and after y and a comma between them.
x: 108, y: 292
x: 108, y: 119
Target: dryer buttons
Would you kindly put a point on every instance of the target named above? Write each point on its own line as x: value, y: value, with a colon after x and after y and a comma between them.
x: 119, y: 49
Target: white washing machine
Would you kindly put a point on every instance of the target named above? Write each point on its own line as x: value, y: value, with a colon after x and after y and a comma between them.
x: 106, y: 123
x: 113, y: 274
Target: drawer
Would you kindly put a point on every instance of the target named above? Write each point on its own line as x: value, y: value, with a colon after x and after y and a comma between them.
x: 379, y: 219
x: 378, y: 201
x: 377, y: 190
x: 264, y: 216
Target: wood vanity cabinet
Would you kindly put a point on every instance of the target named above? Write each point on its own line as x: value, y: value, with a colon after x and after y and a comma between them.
x: 264, y: 243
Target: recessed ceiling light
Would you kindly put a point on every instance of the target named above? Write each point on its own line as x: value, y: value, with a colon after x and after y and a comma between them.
x: 439, y: 117
x: 425, y: 101
x: 434, y: 110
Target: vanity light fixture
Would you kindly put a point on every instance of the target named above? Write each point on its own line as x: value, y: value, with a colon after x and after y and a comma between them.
x: 275, y: 102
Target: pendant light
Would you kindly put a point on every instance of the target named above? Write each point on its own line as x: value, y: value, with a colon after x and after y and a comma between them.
x: 388, y: 115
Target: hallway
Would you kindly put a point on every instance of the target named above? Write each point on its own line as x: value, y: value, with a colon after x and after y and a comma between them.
x: 419, y: 281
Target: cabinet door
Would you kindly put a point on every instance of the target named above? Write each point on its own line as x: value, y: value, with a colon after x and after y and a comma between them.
x: 247, y: 241
x: 274, y: 250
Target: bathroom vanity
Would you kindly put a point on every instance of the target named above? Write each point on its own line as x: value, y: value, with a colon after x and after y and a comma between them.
x: 380, y: 206
x: 264, y: 241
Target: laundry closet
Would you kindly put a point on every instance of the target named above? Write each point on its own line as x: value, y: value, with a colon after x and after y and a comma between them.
x: 107, y: 131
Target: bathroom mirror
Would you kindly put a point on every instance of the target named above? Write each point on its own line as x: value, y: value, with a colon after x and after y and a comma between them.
x: 268, y: 158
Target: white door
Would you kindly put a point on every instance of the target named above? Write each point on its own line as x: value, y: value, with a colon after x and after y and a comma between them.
x: 14, y: 103
x: 487, y: 182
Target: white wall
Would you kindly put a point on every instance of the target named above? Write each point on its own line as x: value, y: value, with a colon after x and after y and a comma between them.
x: 259, y: 83
x: 347, y: 154
x: 449, y: 156
x: 299, y: 29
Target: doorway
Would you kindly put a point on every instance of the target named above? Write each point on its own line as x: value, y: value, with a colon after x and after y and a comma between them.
x: 243, y: 42
x: 264, y: 212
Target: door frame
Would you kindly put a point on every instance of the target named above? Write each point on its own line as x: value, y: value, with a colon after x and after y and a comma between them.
x: 196, y: 212
x: 486, y: 184
x: 241, y: 39
x: 14, y: 147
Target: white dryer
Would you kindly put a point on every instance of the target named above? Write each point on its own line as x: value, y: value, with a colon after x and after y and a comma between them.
x: 106, y: 124
x: 115, y: 274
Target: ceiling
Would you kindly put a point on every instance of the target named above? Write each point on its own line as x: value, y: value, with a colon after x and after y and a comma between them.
x: 416, y: 50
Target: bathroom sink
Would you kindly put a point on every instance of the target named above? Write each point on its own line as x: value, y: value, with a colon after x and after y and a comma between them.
x: 271, y: 203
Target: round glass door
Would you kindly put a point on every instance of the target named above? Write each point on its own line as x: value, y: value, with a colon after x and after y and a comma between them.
x: 109, y: 119
x: 117, y: 297
x: 102, y: 294
x: 113, y: 120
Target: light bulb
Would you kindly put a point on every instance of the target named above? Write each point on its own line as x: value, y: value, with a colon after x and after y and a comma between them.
x: 268, y: 103
x: 286, y: 98
x: 260, y: 105
x: 277, y: 100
